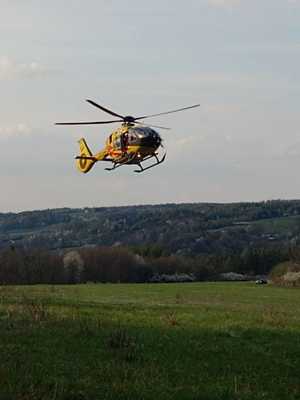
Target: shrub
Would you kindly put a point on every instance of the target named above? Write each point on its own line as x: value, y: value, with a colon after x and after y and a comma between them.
x: 286, y: 274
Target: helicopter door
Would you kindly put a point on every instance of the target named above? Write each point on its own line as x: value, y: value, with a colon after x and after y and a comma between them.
x: 133, y: 138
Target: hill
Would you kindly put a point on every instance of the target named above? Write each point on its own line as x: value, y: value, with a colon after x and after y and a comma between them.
x: 182, y: 229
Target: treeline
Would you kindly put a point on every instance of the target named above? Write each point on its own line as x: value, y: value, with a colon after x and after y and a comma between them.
x: 122, y: 264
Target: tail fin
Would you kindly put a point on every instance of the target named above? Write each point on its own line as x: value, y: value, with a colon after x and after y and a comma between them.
x: 86, y: 160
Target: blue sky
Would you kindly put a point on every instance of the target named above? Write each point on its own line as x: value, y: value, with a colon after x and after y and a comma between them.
x: 240, y: 59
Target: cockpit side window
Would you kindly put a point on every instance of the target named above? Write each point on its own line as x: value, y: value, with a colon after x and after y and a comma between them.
x: 117, y: 142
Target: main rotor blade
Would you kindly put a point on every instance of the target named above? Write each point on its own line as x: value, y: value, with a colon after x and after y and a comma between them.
x: 168, y: 112
x: 88, y: 122
x: 104, y: 109
x: 153, y: 126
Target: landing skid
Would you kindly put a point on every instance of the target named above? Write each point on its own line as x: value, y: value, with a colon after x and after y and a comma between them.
x: 121, y: 162
x: 131, y: 160
x: 158, y: 161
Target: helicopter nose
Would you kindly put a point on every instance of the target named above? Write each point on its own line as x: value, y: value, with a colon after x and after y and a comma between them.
x: 156, y: 138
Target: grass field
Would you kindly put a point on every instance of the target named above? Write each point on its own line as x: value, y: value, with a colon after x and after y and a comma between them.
x: 159, y: 341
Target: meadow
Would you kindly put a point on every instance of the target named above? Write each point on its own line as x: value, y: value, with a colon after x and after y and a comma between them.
x: 149, y: 341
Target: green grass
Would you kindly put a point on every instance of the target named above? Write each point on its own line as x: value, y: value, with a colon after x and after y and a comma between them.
x: 159, y: 341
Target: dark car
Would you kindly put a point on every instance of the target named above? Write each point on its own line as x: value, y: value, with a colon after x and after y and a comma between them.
x: 261, y: 282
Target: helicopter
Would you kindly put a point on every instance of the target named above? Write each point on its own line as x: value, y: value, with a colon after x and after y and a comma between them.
x: 132, y: 143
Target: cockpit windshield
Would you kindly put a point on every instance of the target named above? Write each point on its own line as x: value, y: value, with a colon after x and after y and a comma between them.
x: 141, y: 132
x: 143, y: 136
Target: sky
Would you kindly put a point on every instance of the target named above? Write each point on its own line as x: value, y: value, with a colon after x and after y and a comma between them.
x: 240, y: 59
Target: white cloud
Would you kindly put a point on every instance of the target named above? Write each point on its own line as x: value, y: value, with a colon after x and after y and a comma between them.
x: 10, y: 69
x: 13, y: 130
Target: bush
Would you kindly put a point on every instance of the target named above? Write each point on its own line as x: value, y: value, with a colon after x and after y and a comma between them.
x: 286, y: 274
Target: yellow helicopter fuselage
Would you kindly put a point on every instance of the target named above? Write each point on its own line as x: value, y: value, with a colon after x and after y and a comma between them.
x: 126, y: 145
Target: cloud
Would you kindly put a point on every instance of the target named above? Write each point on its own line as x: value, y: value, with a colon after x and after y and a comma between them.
x: 10, y: 69
x: 224, y: 3
x: 14, y: 130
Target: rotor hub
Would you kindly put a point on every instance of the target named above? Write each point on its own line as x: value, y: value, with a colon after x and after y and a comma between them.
x: 129, y: 119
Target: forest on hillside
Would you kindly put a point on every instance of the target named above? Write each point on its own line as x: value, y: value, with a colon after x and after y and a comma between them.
x: 138, y: 243
x: 181, y: 229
